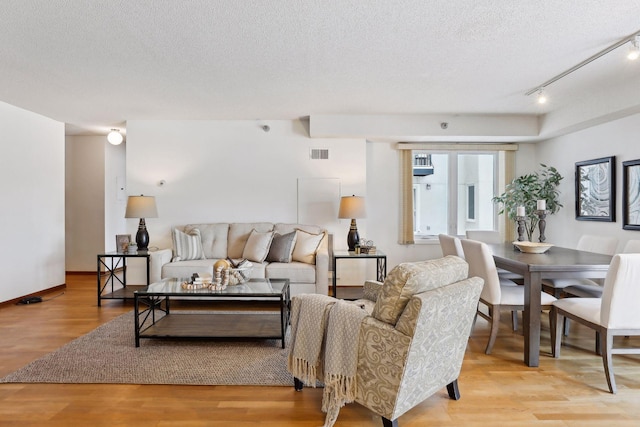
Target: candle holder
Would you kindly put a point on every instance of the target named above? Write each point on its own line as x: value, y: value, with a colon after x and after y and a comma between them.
x: 542, y: 223
x: 521, y: 221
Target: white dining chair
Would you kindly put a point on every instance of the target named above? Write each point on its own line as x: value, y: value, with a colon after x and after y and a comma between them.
x: 498, y: 293
x: 590, y: 243
x: 593, y: 289
x: 615, y: 314
x: 450, y: 245
x: 492, y: 237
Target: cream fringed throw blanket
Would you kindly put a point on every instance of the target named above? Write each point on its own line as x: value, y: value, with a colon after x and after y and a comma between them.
x: 324, y: 346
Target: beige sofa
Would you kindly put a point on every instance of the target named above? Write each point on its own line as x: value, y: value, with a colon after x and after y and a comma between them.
x: 276, y: 250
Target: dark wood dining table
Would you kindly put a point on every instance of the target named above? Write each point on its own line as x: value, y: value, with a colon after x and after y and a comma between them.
x: 556, y: 263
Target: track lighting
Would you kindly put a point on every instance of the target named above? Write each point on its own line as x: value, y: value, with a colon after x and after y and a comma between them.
x: 114, y: 137
x: 634, y: 53
x: 542, y: 98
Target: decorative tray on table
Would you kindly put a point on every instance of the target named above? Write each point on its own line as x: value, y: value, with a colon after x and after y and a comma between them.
x: 532, y: 247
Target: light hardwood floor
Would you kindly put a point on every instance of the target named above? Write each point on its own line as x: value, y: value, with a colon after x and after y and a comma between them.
x: 495, y: 389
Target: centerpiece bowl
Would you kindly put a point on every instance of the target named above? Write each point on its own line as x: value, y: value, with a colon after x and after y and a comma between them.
x: 532, y: 247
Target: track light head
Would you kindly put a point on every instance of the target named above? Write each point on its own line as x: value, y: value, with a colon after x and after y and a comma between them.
x: 634, y: 49
x: 542, y: 98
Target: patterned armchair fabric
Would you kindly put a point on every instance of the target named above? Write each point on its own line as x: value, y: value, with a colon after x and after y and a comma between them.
x: 400, y: 366
x: 410, y: 278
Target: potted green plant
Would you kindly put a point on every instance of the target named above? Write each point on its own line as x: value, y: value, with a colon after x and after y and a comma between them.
x: 526, y: 190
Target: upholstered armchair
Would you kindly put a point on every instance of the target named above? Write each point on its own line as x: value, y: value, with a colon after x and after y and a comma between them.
x: 413, y: 342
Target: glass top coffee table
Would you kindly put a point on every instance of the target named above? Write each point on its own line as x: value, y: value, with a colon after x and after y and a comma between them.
x: 155, y: 319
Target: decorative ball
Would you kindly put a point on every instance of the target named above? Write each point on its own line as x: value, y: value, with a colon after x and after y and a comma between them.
x: 222, y: 263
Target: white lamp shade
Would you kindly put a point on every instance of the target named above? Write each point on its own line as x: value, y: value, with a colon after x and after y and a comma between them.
x: 115, y: 137
x: 141, y: 207
x: 352, y: 207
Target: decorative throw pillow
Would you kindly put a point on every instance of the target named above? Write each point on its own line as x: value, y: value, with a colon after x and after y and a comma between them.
x: 281, y: 248
x: 257, y: 246
x: 187, y: 246
x: 306, y: 247
x: 410, y: 278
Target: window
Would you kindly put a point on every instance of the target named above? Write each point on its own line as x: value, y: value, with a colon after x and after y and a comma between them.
x: 445, y: 198
x: 471, y: 202
x: 451, y: 191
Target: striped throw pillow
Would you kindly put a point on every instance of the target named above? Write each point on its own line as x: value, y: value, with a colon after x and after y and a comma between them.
x: 187, y: 246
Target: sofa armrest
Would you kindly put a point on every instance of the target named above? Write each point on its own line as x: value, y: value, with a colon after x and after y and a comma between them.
x: 156, y: 260
x: 322, y: 266
x: 372, y: 289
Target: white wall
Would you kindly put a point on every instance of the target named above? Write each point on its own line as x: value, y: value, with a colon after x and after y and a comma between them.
x: 85, y: 207
x: 218, y: 171
x: 233, y: 171
x: 617, y: 138
x: 115, y: 193
x: 95, y: 199
x: 32, y: 254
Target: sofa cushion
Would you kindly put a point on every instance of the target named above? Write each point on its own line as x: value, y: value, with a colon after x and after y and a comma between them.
x: 281, y: 248
x: 214, y: 238
x: 306, y: 246
x: 296, y: 272
x: 410, y: 278
x: 257, y: 246
x: 239, y: 234
x: 187, y: 246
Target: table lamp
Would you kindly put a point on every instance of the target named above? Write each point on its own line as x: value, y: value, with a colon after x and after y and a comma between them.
x: 141, y: 207
x: 352, y: 207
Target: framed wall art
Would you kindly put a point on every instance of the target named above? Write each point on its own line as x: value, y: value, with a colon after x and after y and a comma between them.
x: 596, y: 190
x: 631, y: 195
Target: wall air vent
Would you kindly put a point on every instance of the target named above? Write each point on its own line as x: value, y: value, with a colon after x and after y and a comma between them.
x: 319, y: 154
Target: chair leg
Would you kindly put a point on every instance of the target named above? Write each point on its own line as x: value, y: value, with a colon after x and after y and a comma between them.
x: 598, y: 344
x: 607, y: 361
x: 297, y: 384
x: 556, y: 321
x: 452, y: 389
x: 567, y: 326
x: 495, y: 323
x: 388, y: 423
x: 514, y: 320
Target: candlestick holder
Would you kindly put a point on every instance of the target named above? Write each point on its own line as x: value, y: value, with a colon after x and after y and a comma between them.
x: 521, y: 221
x: 542, y: 223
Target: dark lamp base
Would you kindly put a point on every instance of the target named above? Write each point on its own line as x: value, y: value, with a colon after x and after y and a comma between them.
x: 142, y: 236
x: 353, y: 237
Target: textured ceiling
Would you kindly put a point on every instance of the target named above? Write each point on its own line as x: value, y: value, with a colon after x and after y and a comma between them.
x: 95, y: 65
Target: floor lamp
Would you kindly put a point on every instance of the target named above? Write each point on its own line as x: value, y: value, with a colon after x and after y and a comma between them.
x: 352, y: 207
x: 141, y: 207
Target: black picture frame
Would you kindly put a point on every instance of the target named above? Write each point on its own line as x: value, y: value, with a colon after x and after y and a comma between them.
x: 596, y: 189
x: 631, y: 195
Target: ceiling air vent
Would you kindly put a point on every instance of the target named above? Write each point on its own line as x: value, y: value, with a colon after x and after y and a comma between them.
x: 319, y: 154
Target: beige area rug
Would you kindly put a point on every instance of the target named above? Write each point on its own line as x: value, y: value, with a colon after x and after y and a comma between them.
x: 108, y: 355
